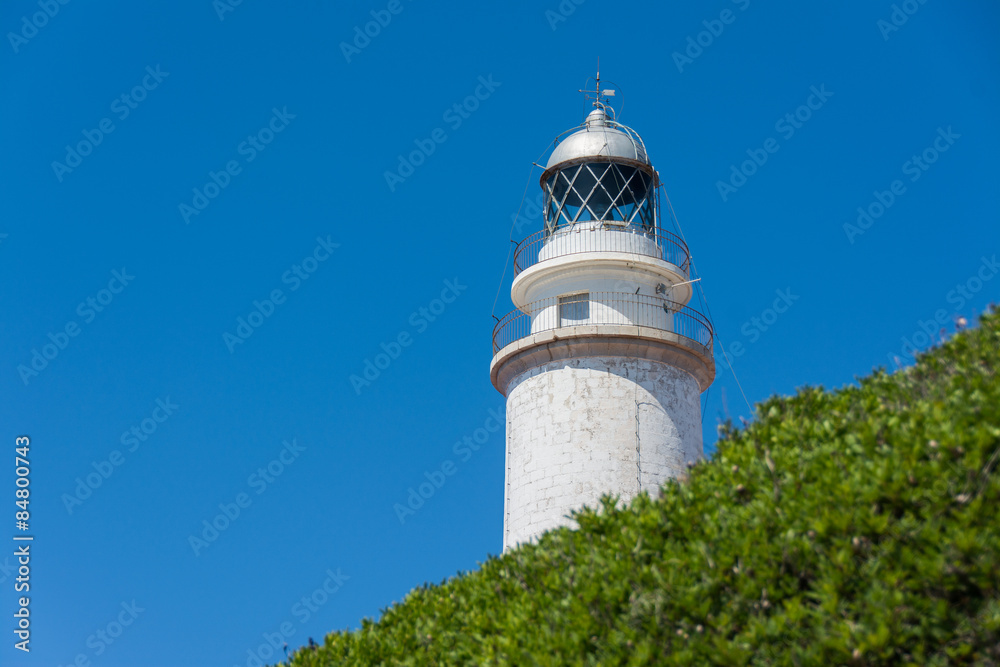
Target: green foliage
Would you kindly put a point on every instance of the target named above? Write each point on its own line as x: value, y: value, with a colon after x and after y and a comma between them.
x: 855, y: 527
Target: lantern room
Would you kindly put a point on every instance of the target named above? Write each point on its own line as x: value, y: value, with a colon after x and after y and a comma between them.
x: 600, y: 173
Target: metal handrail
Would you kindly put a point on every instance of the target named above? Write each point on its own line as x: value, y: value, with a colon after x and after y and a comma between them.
x: 592, y: 236
x: 603, y: 309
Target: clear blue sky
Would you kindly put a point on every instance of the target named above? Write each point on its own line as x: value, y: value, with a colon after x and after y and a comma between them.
x: 328, y: 125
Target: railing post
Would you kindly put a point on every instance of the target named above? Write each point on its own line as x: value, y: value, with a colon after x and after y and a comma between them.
x: 666, y: 246
x: 607, y: 308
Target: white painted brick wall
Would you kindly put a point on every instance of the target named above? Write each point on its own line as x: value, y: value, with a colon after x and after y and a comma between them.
x: 571, y: 437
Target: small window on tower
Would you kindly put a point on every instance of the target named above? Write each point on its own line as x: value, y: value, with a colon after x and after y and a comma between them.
x: 574, y: 309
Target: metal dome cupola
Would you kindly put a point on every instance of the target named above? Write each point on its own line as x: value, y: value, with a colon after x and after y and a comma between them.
x: 600, y: 137
x: 600, y: 173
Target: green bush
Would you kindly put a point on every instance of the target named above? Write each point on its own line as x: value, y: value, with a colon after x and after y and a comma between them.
x: 853, y: 527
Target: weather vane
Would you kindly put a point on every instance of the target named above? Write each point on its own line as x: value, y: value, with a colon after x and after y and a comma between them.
x: 597, y: 92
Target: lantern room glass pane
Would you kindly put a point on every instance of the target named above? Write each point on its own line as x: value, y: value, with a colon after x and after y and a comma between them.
x: 599, y: 191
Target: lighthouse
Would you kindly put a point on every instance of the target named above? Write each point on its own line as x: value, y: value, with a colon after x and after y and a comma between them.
x: 602, y: 361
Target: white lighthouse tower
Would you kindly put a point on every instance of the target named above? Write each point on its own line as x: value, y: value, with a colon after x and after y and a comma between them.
x: 602, y: 362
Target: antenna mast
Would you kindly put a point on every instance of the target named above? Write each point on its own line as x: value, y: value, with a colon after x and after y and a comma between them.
x: 597, y: 92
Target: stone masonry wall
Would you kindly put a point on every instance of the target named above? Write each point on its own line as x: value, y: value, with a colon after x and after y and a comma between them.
x: 571, y: 437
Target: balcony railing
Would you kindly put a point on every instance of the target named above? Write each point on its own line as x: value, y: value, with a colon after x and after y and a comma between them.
x: 606, y: 236
x: 603, y: 308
